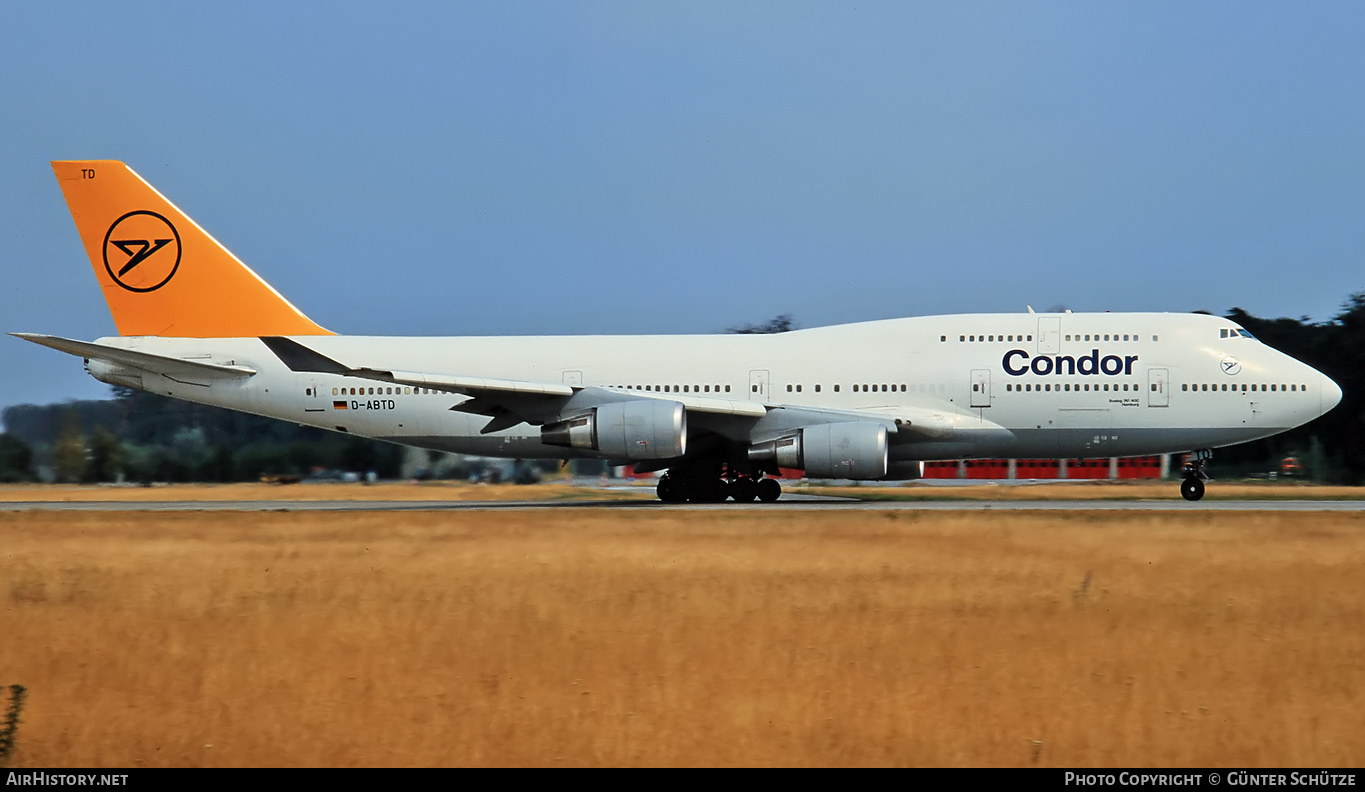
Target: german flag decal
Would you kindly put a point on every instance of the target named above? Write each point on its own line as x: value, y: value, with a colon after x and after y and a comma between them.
x: 338, y: 405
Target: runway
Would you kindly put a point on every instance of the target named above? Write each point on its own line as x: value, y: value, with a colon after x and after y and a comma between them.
x: 804, y: 503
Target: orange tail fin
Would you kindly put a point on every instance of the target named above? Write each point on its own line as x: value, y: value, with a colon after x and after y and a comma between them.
x: 162, y: 274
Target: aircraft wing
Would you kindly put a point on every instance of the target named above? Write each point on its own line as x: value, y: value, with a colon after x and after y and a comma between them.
x: 175, y: 368
x: 507, y: 402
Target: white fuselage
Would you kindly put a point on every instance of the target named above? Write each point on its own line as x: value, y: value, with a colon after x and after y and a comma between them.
x: 1036, y: 385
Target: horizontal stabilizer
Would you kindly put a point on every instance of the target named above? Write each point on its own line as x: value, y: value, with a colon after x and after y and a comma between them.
x: 176, y: 368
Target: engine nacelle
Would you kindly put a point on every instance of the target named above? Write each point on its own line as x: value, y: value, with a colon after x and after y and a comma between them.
x: 635, y: 429
x: 855, y: 450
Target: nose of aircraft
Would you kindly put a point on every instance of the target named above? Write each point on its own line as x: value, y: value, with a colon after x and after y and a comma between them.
x: 1331, y: 394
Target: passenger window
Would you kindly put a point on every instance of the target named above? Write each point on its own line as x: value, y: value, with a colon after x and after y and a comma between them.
x: 943, y: 338
x: 836, y: 388
x: 789, y: 389
x: 817, y: 388
x: 1272, y: 388
x: 1185, y: 387
x: 727, y: 388
x: 798, y: 388
x: 334, y: 391
x: 962, y: 338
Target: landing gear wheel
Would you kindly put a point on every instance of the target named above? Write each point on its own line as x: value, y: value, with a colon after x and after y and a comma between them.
x: 669, y: 491
x: 744, y: 490
x: 768, y: 490
x: 1192, y: 489
x: 711, y: 491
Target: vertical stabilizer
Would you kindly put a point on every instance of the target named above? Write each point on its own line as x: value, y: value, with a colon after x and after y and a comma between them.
x: 162, y: 274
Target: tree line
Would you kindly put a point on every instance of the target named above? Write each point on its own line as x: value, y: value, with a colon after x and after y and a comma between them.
x: 142, y: 437
x: 139, y: 436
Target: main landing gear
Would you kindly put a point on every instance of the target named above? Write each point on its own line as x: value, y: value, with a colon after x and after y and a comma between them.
x: 679, y: 487
x: 1193, y: 476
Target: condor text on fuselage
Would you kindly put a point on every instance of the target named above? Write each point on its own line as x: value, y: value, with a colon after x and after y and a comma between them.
x: 1016, y: 364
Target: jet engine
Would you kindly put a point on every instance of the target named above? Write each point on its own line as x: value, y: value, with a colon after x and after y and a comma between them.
x: 856, y: 450
x: 635, y: 429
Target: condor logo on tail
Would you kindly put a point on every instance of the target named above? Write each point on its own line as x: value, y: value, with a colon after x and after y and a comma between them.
x: 142, y: 251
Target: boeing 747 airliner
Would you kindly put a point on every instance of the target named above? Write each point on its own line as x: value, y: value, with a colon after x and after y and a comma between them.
x: 719, y: 413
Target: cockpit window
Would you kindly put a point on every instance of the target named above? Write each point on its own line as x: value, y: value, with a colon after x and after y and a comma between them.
x: 1245, y: 333
x: 1235, y: 332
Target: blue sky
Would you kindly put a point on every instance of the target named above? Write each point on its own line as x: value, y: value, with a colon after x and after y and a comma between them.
x: 638, y: 167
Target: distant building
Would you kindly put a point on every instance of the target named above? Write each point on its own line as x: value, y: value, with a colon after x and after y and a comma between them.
x: 1114, y: 468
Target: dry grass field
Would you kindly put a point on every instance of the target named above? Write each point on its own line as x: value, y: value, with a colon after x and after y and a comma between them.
x: 652, y: 637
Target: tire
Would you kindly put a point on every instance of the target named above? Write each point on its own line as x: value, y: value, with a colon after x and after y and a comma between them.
x: 769, y: 490
x: 744, y: 490
x: 669, y: 491
x: 1191, y: 489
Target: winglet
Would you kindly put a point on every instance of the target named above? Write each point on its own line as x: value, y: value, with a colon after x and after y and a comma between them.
x: 161, y: 273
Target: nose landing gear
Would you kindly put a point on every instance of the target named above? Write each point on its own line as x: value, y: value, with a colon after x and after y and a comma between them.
x: 1193, y: 476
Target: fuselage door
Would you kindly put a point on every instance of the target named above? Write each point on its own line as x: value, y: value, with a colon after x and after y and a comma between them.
x: 1158, y: 387
x: 758, y: 385
x: 1049, y: 335
x: 981, y: 387
x: 573, y: 378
